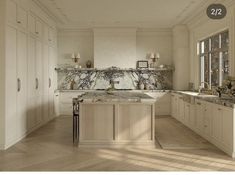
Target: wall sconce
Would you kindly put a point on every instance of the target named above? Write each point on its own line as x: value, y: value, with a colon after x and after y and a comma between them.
x: 75, y: 57
x: 154, y: 58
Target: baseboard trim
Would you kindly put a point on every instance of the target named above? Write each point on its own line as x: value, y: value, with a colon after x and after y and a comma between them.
x: 8, y: 145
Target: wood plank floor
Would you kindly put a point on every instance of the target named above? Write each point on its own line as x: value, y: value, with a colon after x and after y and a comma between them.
x: 50, y: 148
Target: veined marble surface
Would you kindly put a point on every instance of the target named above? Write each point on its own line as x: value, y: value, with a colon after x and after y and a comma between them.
x: 128, y: 79
x: 228, y: 102
x: 116, y: 97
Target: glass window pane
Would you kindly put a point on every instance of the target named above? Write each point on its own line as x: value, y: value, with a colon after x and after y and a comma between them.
x: 225, y: 65
x: 224, y: 40
x: 206, y: 69
x: 215, y: 43
x: 215, y: 69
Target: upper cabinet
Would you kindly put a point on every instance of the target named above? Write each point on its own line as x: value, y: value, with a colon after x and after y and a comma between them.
x: 35, y: 26
x: 16, y: 14
x: 49, y: 35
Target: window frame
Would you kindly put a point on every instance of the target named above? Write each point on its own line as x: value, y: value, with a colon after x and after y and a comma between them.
x: 220, y: 51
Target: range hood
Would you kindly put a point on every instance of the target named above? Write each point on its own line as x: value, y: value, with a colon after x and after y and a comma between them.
x: 115, y: 47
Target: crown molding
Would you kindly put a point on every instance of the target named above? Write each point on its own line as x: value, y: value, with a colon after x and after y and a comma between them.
x: 198, y: 16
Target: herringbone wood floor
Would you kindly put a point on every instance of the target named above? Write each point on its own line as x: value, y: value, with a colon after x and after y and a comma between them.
x: 50, y: 148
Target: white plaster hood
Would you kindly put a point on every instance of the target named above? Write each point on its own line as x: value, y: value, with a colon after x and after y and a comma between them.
x: 115, y: 47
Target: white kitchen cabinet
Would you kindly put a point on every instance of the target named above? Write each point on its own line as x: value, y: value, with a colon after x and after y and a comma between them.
x: 212, y: 121
x: 227, y: 127
x: 35, y: 26
x: 174, y: 105
x: 26, y: 68
x: 181, y: 109
x: 207, y: 120
x: 16, y: 14
x: 162, y: 104
x: 16, y: 83
x: 187, y: 113
x: 222, y: 126
x: 12, y: 12
x: 199, y: 111
x: 217, y: 123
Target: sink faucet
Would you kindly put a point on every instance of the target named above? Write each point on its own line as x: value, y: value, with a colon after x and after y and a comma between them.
x: 112, y: 85
x: 201, y: 87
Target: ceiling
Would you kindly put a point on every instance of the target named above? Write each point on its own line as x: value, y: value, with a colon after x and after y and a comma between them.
x: 120, y: 13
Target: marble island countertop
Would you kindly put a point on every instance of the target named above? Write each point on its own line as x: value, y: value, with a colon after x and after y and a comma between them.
x: 229, y: 102
x: 115, y: 96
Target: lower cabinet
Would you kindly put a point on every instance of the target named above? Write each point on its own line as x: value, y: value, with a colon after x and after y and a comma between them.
x: 212, y: 121
x: 163, y: 103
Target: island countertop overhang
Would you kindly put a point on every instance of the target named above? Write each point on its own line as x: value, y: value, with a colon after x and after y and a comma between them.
x: 116, y: 97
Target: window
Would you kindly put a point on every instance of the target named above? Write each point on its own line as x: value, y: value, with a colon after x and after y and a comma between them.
x: 214, y: 63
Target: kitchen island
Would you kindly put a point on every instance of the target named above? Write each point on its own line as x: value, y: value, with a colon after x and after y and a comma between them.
x: 116, y: 119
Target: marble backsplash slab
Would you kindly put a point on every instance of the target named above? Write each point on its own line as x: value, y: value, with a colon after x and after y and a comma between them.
x: 128, y: 78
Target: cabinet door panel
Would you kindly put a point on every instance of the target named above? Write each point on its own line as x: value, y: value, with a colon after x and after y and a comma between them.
x: 96, y: 122
x: 199, y: 116
x: 187, y: 114
x: 227, y: 127
x: 11, y: 11
x: 208, y: 120
x: 181, y: 109
x: 22, y: 17
x: 134, y: 122
x: 32, y: 24
x: 217, y: 124
x: 38, y: 28
x: 192, y: 119
x: 22, y: 75
x: 11, y: 84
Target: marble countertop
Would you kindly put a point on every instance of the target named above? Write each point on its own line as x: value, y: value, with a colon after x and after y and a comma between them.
x: 94, y: 90
x: 115, y: 96
x: 229, y: 102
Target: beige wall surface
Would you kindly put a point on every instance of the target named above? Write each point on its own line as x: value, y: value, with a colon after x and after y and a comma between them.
x: 144, y: 42
x: 2, y: 73
x: 74, y: 41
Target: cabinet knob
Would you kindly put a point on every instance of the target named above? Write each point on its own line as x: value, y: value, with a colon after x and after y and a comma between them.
x: 198, y: 103
x: 37, y: 33
x: 219, y: 109
x: 19, y: 22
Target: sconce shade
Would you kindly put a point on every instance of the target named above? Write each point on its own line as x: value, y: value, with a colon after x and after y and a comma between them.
x: 151, y: 55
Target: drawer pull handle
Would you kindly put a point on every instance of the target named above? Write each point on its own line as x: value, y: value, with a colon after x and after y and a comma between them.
x: 19, y: 22
x: 198, y: 103
x: 37, y: 84
x: 219, y: 109
x: 18, y: 85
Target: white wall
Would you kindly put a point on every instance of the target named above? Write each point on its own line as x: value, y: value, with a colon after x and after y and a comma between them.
x: 70, y: 41
x: 155, y: 41
x: 2, y: 74
x: 180, y: 57
x: 147, y: 40
x: 201, y: 27
x: 115, y: 47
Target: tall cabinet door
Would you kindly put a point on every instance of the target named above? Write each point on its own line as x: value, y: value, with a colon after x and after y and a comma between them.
x: 46, y: 83
x: 51, y: 80
x: 21, y: 117
x: 11, y: 84
x: 38, y: 81
x: 31, y: 116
